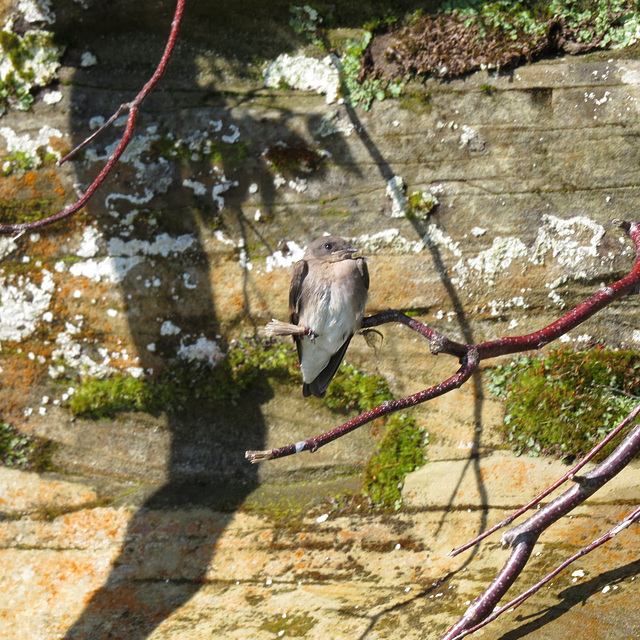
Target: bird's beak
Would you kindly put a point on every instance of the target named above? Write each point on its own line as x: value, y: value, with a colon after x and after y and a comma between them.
x: 345, y: 253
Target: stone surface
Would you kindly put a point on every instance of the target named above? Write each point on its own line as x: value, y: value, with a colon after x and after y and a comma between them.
x: 190, y: 573
x: 500, y: 479
x: 155, y: 526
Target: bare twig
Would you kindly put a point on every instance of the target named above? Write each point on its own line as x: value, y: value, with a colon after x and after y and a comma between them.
x: 523, y: 537
x: 133, y: 109
x: 469, y: 355
x: 634, y: 516
x: 567, y: 476
x: 468, y: 366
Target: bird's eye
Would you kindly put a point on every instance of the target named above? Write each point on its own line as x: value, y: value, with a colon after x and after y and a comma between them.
x: 328, y: 246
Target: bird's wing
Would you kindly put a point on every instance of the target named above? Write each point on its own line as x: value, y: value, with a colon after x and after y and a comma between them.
x: 364, y: 271
x: 300, y: 270
x: 320, y: 385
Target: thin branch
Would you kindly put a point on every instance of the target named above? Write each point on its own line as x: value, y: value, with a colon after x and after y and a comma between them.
x: 133, y: 109
x: 604, y: 297
x: 634, y: 516
x: 523, y: 537
x: 469, y: 355
x: 121, y: 109
x: 567, y: 476
x: 468, y: 366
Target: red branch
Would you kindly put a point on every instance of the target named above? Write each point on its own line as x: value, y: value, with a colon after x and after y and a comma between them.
x: 570, y: 475
x: 634, y: 516
x: 133, y: 109
x: 523, y: 537
x: 469, y: 355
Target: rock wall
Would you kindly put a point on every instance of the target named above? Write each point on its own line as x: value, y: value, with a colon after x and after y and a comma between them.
x: 189, y: 243
x: 483, y: 205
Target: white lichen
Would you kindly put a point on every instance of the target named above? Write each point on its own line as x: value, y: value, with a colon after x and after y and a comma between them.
x: 169, y: 329
x: 492, y: 262
x: 396, y: 190
x: 198, y: 187
x: 123, y: 255
x: 73, y: 356
x: 36, y: 11
x: 39, y: 60
x: 564, y: 239
x: 389, y: 239
x: 469, y: 138
x: 331, y: 123
x: 7, y: 246
x: 284, y: 259
x: 88, y: 59
x: 89, y: 244
x: 305, y: 74
x: 30, y: 146
x: 222, y: 187
x: 202, y: 349
x: 22, y: 304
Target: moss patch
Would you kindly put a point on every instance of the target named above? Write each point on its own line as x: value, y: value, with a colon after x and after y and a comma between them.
x: 253, y: 365
x: 291, y: 625
x: 400, y: 451
x: 465, y: 35
x: 293, y: 160
x: 26, y: 210
x: 565, y: 402
x: 23, y: 451
x: 249, y: 363
x: 26, y: 62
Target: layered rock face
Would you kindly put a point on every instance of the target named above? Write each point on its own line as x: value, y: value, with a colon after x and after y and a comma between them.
x: 483, y: 205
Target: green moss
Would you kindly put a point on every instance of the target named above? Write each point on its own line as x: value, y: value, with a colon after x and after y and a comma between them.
x: 249, y: 363
x: 17, y: 211
x: 27, y: 61
x: 297, y: 160
x: 417, y: 102
x: 23, y: 451
x: 353, y: 390
x: 401, y: 448
x: 253, y: 365
x: 206, y: 149
x: 421, y: 204
x: 293, y: 625
x: 400, y: 451
x: 358, y: 90
x: 591, y: 19
x: 567, y: 401
x: 338, y: 213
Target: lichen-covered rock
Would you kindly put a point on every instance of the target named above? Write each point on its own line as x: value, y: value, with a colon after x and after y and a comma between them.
x: 482, y: 204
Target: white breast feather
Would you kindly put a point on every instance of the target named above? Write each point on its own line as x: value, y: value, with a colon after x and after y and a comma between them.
x: 333, y: 320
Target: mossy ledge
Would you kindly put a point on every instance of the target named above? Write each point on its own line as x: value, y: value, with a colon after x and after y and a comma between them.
x: 565, y: 402
x: 253, y: 364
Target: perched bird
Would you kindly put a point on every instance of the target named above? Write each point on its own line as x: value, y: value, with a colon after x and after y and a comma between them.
x: 326, y: 300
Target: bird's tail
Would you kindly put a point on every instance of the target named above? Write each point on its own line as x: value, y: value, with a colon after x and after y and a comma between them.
x: 279, y: 328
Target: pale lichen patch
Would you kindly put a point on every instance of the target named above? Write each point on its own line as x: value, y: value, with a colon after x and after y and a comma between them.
x: 22, y: 305
x: 305, y: 74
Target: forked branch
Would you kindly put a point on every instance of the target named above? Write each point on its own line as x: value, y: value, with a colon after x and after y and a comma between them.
x: 523, y: 537
x: 469, y: 355
x: 133, y: 108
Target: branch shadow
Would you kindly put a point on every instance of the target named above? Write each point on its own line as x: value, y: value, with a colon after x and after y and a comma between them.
x: 161, y: 566
x: 387, y: 173
x: 570, y: 598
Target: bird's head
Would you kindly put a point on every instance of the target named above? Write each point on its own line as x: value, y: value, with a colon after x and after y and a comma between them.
x: 329, y: 248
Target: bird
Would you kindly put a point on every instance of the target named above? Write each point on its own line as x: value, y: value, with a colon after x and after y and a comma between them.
x: 327, y: 296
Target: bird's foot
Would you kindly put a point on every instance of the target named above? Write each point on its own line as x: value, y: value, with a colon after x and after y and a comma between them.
x: 310, y: 333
